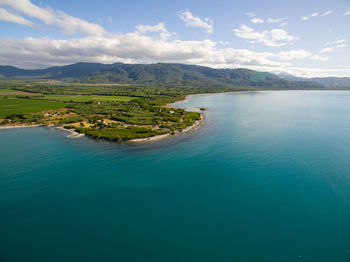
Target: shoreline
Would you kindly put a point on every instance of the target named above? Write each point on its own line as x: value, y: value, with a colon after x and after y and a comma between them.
x: 73, y: 134
x: 17, y: 126
x: 187, y: 129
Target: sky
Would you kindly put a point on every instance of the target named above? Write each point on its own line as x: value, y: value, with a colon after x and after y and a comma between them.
x: 303, y: 38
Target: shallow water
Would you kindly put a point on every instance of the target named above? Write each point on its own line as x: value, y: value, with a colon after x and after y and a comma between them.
x: 266, y: 178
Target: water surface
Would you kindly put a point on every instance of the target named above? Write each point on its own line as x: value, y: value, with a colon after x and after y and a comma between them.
x: 265, y: 179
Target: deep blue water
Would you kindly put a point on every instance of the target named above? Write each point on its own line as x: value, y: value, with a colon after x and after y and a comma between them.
x: 267, y: 178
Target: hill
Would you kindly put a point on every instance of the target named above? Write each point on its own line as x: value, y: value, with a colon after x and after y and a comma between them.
x: 327, y: 81
x: 160, y: 74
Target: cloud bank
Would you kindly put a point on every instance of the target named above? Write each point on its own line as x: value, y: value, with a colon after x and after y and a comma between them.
x: 274, y: 37
x: 148, y: 43
x: 195, y: 21
x: 69, y: 24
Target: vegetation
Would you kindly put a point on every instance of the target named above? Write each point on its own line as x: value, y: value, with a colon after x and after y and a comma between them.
x: 119, y: 134
x: 117, y: 113
x: 120, y: 101
x: 11, y: 106
x: 160, y: 74
x: 82, y: 98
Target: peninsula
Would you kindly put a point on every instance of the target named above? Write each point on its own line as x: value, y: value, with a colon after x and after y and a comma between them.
x: 96, y: 111
x: 121, y: 102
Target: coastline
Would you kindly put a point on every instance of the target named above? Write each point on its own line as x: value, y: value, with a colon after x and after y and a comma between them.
x: 180, y: 101
x: 74, y: 134
x: 17, y: 126
x: 187, y: 129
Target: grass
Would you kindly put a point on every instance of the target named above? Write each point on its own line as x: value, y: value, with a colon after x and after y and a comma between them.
x: 4, y: 90
x: 10, y: 106
x: 109, y: 112
x: 84, y: 98
x: 11, y: 92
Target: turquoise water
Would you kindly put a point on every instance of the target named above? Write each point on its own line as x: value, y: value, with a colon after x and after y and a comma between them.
x: 267, y: 178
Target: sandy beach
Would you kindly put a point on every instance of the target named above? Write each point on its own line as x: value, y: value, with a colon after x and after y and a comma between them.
x: 72, y: 133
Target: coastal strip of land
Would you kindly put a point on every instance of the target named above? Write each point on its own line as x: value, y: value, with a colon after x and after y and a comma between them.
x: 195, y: 126
x: 17, y: 126
x: 124, y: 121
x: 72, y: 133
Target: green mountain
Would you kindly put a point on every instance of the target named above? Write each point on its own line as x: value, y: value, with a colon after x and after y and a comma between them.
x: 160, y: 74
x: 56, y: 72
x: 336, y: 82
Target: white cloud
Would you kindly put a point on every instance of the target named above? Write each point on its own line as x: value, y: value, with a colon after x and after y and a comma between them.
x: 195, y: 21
x: 257, y: 21
x: 337, y: 42
x: 294, y: 54
x: 305, y: 18
x: 300, y: 54
x: 327, y: 50
x: 158, y: 28
x: 69, y: 24
x: 284, y: 24
x: 275, y: 20
x: 223, y: 43
x: 327, y: 13
x: 347, y: 13
x: 250, y: 14
x: 333, y: 46
x: 319, y: 58
x: 139, y: 48
x: 135, y: 47
x: 317, y: 72
x: 6, y: 15
x: 274, y: 37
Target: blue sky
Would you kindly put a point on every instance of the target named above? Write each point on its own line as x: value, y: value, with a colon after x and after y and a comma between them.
x: 304, y: 38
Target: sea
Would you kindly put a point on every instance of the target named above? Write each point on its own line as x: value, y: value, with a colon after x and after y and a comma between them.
x: 265, y: 178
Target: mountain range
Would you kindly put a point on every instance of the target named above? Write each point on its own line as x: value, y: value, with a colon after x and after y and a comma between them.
x: 327, y: 81
x: 165, y: 74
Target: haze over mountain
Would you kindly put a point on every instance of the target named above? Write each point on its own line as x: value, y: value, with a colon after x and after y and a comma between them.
x: 160, y: 74
x: 327, y: 81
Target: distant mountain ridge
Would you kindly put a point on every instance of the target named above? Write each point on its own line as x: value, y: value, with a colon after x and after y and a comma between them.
x: 327, y: 81
x: 69, y: 71
x: 161, y: 74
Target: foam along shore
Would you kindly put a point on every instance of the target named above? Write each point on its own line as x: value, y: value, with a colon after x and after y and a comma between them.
x: 17, y: 126
x: 72, y: 133
x: 193, y: 127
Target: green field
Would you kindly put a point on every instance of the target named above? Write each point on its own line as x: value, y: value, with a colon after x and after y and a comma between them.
x: 84, y: 98
x: 4, y: 90
x: 115, y: 113
x: 26, y: 106
x: 12, y: 92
